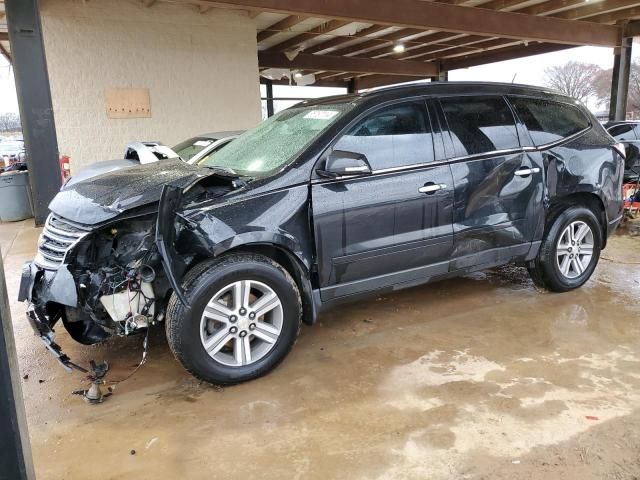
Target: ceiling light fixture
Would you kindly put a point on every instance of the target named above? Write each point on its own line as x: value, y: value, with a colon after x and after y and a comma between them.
x: 398, y: 48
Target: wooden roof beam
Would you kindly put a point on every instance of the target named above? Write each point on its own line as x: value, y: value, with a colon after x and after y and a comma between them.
x: 318, y: 83
x: 552, y: 6
x: 632, y: 29
x: 478, y: 48
x: 596, y: 8
x: 542, y: 8
x: 492, y: 4
x: 431, y: 15
x: 471, y: 43
x: 323, y: 29
x: 437, y: 42
x: 331, y: 63
x: 278, y: 27
x: 502, y: 4
x: 382, y: 42
x: 500, y: 55
x: 618, y: 15
x: 337, y: 41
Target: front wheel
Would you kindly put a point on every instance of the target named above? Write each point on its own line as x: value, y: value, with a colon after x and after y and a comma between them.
x: 569, y: 252
x: 244, y: 317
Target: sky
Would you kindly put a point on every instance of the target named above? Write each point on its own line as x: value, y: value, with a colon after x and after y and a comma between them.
x: 8, y: 99
x: 528, y: 70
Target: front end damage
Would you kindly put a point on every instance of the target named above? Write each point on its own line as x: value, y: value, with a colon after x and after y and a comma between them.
x: 106, y: 279
x: 98, y: 281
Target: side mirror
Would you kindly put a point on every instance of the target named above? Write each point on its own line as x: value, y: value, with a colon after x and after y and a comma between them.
x: 341, y: 163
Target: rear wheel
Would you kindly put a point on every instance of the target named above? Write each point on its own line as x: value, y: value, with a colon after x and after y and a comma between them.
x: 570, y: 250
x: 244, y: 317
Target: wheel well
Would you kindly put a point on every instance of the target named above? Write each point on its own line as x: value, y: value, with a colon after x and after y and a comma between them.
x: 293, y: 266
x: 588, y: 200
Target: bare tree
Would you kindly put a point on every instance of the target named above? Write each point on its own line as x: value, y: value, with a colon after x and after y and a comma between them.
x: 602, y: 85
x: 575, y: 79
x: 9, y: 122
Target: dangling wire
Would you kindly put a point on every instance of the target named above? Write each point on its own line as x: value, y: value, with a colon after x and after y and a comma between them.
x: 145, y: 349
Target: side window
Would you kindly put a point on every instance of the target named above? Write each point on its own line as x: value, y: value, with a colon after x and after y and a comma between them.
x: 480, y: 124
x: 549, y: 121
x: 637, y: 130
x: 624, y: 131
x: 394, y: 136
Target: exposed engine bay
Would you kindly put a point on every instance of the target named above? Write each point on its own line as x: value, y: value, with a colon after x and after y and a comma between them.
x: 116, y: 289
x: 105, y: 279
x: 115, y: 271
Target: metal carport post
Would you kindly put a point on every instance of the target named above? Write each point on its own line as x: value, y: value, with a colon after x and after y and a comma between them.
x: 620, y: 79
x: 15, y: 449
x: 34, y: 98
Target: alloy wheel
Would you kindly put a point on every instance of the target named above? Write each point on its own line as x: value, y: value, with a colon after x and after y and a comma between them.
x: 241, y: 323
x: 574, y: 250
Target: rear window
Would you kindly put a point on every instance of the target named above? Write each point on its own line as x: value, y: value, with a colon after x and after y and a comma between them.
x: 549, y: 121
x: 623, y: 131
x: 480, y: 124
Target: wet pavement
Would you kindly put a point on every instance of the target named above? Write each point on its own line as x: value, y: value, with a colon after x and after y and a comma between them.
x: 476, y: 377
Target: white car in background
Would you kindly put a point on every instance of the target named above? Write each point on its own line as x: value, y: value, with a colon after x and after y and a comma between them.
x: 193, y: 151
x: 197, y: 149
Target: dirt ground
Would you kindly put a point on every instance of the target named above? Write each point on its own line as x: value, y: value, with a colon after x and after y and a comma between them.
x: 482, y: 377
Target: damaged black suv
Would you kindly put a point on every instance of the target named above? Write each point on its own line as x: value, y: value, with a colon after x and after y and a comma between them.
x: 323, y: 203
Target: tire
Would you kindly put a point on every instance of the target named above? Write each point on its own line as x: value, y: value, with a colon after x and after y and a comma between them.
x: 190, y: 329
x: 549, y: 270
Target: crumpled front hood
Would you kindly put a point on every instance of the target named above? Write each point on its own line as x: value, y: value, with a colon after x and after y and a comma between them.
x: 104, y: 197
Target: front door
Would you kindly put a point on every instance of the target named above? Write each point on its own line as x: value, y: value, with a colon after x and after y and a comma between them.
x: 498, y: 185
x: 392, y: 227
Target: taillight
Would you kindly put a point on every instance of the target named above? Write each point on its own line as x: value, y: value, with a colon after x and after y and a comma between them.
x: 619, y: 147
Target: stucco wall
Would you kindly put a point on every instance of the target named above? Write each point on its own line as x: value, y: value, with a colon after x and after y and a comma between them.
x: 201, y: 71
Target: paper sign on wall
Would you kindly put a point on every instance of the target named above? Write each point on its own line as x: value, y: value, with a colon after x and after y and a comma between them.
x: 127, y: 102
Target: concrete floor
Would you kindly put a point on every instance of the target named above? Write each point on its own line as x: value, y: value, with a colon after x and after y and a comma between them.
x: 478, y: 377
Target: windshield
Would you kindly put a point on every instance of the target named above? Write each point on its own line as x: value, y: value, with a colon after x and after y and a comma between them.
x: 191, y: 147
x: 277, y: 141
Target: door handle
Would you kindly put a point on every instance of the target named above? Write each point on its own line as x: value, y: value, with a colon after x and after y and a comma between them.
x: 526, y: 171
x: 430, y: 188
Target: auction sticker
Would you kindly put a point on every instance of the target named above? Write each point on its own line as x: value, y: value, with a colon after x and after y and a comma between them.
x: 321, y: 114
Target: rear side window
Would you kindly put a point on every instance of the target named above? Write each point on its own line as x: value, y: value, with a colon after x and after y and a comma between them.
x: 394, y: 136
x: 549, y: 121
x: 480, y: 124
x: 623, y: 131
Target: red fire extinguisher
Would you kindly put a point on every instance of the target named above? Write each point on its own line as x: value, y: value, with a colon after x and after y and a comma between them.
x: 65, y: 167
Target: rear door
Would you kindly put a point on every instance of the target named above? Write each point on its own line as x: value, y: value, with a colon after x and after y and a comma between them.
x: 498, y: 185
x: 393, y: 226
